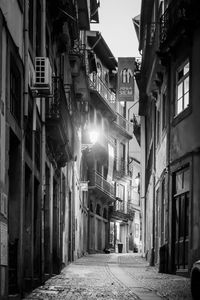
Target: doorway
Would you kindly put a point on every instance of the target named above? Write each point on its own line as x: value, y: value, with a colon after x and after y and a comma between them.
x: 14, y: 207
x: 181, y: 219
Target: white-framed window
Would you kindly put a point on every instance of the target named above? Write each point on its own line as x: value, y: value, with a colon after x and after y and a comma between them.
x: 182, y: 87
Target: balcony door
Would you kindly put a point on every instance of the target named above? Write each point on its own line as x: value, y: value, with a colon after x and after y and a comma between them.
x: 181, y: 219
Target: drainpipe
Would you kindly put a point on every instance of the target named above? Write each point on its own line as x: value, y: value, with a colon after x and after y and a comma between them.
x: 43, y: 146
x: 152, y: 259
x: 25, y: 113
x: 26, y: 67
x: 169, y: 266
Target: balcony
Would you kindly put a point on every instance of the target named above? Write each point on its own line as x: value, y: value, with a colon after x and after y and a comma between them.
x: 131, y: 208
x: 176, y: 21
x: 124, y: 126
x: 58, y: 124
x: 103, y: 188
x: 104, y: 98
x: 118, y: 212
x: 77, y: 57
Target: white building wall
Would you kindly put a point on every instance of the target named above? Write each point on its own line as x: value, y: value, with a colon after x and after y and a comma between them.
x: 15, y: 25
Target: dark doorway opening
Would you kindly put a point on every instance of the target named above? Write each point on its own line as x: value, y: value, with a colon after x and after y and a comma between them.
x: 14, y: 206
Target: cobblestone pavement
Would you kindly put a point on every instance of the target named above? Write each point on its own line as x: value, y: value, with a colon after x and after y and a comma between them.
x: 113, y: 276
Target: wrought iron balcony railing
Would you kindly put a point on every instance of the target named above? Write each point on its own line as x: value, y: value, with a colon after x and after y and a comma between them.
x: 122, y: 211
x: 124, y: 124
x: 59, y: 124
x: 177, y: 16
x: 98, y: 181
x: 53, y: 106
x: 99, y: 86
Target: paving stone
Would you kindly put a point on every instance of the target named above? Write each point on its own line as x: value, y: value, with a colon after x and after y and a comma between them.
x: 113, y: 276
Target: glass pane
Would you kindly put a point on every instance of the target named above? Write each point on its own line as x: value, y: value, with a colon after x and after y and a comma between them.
x: 180, y: 74
x: 182, y: 216
x: 186, y: 68
x: 180, y: 90
x: 179, y: 182
x: 186, y: 180
x: 186, y: 84
x: 177, y: 218
x: 186, y: 100
x: 179, y: 106
x: 186, y: 214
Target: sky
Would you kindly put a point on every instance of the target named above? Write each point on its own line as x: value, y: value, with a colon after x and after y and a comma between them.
x: 116, y: 26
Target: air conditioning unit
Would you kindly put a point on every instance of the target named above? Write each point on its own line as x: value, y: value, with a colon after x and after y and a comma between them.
x: 43, y: 76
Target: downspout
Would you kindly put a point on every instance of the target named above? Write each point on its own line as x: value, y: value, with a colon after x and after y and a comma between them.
x: 25, y: 114
x: 43, y: 146
x: 152, y: 261
x: 26, y: 66
x: 169, y: 248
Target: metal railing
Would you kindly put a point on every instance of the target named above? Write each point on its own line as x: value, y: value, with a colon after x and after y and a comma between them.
x: 97, y: 180
x: 53, y: 106
x: 124, y: 124
x: 99, y: 86
x: 123, y: 211
x: 178, y: 11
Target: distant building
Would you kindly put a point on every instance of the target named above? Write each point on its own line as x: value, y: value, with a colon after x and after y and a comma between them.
x: 106, y: 154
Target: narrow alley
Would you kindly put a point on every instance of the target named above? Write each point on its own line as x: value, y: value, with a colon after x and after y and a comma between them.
x: 113, y: 276
x: 99, y: 149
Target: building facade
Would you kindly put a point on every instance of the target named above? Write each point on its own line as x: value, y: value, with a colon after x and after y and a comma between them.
x: 169, y: 89
x: 106, y: 153
x: 43, y: 108
x: 59, y: 191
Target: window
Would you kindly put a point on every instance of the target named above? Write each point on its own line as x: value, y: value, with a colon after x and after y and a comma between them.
x: 137, y: 230
x: 182, y: 88
x: 163, y: 212
x: 164, y: 111
x: 31, y: 20
x: 121, y: 192
x: 99, y: 70
x: 29, y: 129
x: 157, y: 125
x: 122, y: 155
x: 15, y: 90
x: 99, y: 167
x: 98, y: 210
x: 38, y: 32
x: 37, y: 147
x: 181, y: 213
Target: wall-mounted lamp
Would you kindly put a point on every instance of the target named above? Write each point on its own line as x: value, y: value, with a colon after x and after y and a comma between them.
x: 93, y: 136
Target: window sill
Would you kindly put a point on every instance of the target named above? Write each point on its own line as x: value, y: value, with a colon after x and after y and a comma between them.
x: 185, y: 113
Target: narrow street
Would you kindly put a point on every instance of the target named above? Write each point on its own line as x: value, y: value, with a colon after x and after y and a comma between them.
x: 113, y: 276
